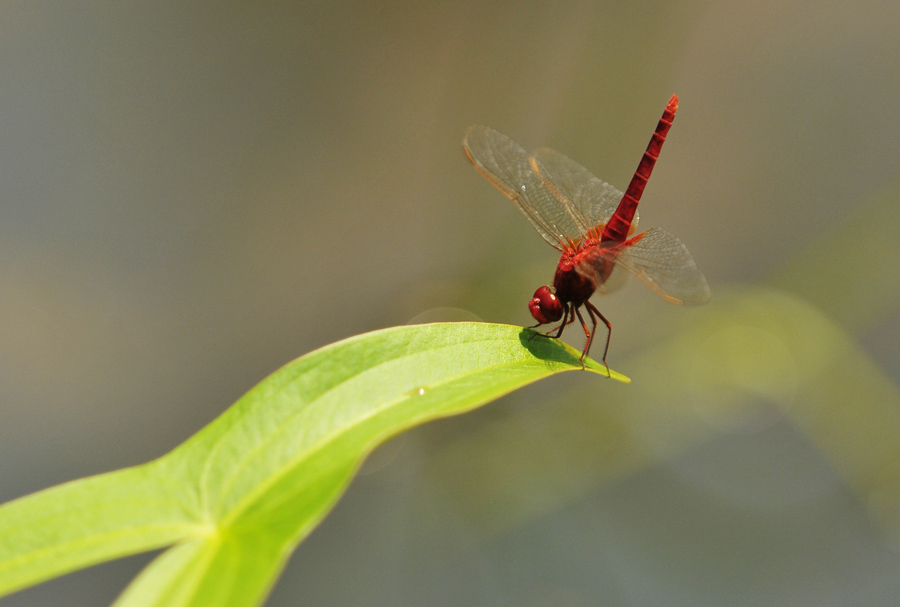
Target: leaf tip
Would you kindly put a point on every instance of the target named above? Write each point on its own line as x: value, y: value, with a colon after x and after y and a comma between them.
x: 595, y: 367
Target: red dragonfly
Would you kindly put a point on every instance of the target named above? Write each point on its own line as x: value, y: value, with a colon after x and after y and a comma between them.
x: 591, y: 223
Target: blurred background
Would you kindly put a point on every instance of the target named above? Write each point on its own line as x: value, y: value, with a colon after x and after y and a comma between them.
x: 191, y: 195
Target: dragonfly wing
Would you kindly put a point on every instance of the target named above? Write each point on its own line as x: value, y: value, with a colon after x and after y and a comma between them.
x: 616, y: 281
x: 514, y: 171
x: 593, y: 197
x: 664, y: 264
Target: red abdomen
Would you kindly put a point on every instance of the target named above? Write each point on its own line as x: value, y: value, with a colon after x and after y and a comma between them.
x: 617, y: 228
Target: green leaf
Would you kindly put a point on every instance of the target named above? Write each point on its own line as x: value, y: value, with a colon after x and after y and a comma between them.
x: 239, y: 495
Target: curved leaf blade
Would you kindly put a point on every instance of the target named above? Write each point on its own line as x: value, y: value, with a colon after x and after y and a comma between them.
x: 243, y: 491
x: 90, y: 521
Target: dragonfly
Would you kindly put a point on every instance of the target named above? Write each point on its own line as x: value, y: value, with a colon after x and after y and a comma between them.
x: 591, y: 224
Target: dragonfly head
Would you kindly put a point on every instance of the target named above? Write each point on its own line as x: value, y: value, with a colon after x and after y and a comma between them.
x: 545, y: 306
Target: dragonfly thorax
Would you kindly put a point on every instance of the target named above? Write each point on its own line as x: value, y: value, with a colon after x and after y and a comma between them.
x: 571, y: 285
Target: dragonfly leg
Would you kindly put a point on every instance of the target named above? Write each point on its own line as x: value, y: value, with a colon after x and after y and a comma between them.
x: 592, y: 310
x: 567, y: 319
x: 588, y: 335
x: 568, y: 314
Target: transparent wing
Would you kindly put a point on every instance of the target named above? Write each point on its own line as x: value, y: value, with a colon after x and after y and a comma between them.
x: 617, y: 279
x: 514, y: 171
x: 664, y: 264
x: 594, y: 198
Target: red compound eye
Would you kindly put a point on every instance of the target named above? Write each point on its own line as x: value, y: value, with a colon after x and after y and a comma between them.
x: 545, y: 306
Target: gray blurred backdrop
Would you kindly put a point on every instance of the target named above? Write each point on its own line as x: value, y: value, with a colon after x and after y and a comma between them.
x: 192, y: 195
